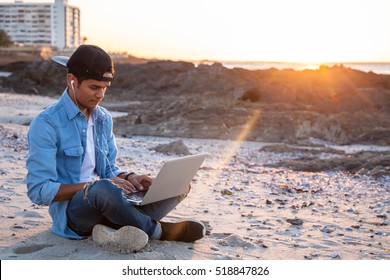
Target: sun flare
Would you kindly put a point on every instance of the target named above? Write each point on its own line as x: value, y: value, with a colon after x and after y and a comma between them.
x: 226, y: 158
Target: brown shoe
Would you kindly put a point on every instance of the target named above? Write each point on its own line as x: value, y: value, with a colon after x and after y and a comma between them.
x: 185, y: 231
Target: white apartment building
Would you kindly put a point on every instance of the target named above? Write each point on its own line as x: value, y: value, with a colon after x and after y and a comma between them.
x: 41, y: 24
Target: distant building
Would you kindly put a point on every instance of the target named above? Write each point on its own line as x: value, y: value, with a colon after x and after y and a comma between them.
x: 42, y: 24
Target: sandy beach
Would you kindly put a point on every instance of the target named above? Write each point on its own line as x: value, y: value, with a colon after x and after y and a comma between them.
x: 251, y: 211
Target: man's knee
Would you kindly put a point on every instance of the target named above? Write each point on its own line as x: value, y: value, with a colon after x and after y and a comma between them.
x: 185, y: 194
x: 102, y: 188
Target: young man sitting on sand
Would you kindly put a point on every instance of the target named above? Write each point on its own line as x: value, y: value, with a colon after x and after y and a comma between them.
x: 71, y: 165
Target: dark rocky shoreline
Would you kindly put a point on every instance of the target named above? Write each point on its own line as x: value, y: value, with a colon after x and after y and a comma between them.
x: 177, y: 99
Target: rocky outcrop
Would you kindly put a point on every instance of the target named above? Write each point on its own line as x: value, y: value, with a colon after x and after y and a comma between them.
x: 168, y: 98
x: 373, y: 163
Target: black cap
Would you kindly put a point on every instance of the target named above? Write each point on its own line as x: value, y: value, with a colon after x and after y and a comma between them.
x: 90, y: 62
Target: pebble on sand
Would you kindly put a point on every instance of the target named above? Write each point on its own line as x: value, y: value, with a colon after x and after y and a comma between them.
x: 295, y: 221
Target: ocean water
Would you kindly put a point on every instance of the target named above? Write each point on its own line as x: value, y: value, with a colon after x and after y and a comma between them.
x: 4, y: 74
x: 378, y: 68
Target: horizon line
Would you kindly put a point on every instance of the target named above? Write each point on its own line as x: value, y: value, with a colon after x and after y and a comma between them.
x: 255, y: 61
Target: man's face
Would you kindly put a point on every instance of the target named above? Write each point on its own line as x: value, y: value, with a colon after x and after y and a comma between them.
x: 89, y: 93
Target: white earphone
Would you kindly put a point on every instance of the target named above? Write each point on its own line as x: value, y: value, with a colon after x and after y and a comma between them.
x: 74, y: 92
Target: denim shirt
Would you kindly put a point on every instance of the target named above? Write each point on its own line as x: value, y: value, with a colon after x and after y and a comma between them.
x: 57, y: 144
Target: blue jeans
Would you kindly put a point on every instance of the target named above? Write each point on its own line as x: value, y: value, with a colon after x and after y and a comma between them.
x: 104, y: 203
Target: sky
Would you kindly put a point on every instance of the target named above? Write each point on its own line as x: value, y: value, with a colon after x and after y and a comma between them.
x: 240, y: 30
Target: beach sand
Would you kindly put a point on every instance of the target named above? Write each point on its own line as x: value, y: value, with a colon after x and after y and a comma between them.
x: 251, y: 211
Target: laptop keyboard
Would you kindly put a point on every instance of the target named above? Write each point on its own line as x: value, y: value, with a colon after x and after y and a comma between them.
x: 137, y: 197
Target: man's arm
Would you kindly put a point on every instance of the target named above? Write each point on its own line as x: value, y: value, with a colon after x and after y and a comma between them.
x: 67, y: 191
x: 41, y: 164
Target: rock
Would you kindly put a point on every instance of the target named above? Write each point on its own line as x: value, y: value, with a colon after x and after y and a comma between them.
x: 18, y: 227
x: 252, y: 95
x: 234, y: 240
x: 3, y: 171
x: 351, y: 210
x: 295, y: 222
x: 336, y: 256
x: 226, y: 192
x: 268, y: 202
x: 176, y: 147
x: 327, y: 230
x: 124, y: 240
x: 382, y: 216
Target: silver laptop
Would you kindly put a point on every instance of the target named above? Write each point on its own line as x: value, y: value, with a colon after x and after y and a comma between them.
x: 172, y: 180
